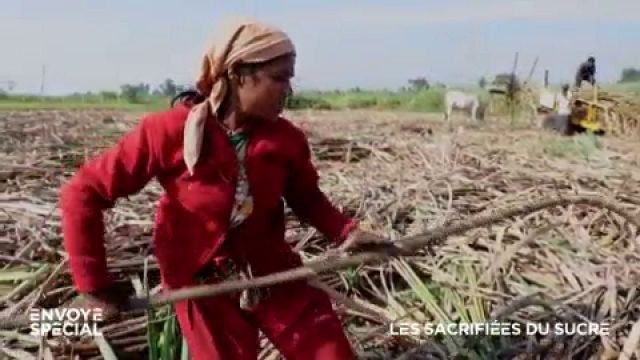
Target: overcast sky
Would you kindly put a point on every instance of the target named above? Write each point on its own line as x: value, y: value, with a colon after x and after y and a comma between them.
x: 95, y: 45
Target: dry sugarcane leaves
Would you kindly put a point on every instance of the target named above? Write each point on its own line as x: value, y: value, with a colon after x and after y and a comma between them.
x: 401, y: 174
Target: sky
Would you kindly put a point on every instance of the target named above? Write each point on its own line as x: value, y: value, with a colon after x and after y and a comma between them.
x: 374, y: 44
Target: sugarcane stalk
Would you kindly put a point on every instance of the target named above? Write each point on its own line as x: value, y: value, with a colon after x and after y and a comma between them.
x: 402, y: 247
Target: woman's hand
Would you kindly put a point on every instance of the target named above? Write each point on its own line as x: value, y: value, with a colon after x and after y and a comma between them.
x: 108, y: 301
x: 360, y: 240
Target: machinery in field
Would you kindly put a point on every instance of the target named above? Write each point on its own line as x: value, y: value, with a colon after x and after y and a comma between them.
x: 591, y: 108
x: 612, y: 113
x: 599, y: 112
x: 587, y: 113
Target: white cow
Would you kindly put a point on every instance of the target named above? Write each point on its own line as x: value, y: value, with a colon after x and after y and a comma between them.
x: 458, y: 100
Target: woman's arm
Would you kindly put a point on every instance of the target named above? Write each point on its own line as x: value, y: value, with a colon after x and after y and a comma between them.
x: 307, y: 200
x: 119, y: 171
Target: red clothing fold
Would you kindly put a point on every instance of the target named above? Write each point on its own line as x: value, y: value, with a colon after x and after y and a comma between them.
x: 192, y: 226
x: 192, y: 217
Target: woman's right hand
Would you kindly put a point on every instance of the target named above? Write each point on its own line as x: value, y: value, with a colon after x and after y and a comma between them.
x: 109, y: 301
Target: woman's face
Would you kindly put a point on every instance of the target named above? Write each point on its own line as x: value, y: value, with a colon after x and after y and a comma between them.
x: 263, y: 93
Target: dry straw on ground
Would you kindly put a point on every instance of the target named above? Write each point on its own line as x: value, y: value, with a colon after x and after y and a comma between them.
x: 401, y: 174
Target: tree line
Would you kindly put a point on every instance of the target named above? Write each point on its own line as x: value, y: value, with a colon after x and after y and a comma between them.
x: 138, y: 92
x: 629, y: 75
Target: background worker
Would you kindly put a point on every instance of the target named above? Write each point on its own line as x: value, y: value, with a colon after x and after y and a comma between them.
x: 586, y: 72
x: 563, y: 101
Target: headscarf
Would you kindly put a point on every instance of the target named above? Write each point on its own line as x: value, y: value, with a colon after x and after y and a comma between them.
x: 246, y: 41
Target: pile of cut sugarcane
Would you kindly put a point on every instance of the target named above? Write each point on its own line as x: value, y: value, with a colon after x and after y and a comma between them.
x: 621, y: 112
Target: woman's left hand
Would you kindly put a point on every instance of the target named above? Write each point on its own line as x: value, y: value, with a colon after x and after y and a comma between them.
x: 360, y: 240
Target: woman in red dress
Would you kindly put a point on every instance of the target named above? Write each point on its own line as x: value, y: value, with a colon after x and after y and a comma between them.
x: 227, y: 162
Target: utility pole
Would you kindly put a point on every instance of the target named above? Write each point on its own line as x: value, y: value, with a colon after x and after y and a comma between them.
x: 546, y: 79
x: 7, y: 83
x: 44, y: 73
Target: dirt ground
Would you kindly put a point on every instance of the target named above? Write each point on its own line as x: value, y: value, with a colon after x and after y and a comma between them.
x: 400, y: 174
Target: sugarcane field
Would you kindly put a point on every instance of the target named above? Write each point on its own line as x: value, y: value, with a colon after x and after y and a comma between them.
x: 256, y: 199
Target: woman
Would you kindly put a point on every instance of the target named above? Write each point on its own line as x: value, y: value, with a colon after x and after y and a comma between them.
x: 226, y: 160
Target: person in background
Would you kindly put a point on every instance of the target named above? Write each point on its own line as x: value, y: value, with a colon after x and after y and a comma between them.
x: 586, y: 72
x: 563, y: 101
x: 227, y: 162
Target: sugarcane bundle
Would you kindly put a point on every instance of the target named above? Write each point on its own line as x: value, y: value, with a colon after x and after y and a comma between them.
x: 619, y: 113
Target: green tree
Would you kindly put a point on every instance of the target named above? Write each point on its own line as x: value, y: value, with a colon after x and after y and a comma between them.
x: 629, y: 75
x: 134, y: 93
x: 168, y: 88
x: 420, y: 83
x: 109, y: 95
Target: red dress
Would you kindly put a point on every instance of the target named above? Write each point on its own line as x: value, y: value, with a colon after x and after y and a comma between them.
x: 192, y: 229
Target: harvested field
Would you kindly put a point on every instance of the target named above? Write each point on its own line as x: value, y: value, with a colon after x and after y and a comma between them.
x: 401, y: 174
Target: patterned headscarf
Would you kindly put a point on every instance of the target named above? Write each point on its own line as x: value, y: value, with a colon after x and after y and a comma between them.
x: 243, y: 41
